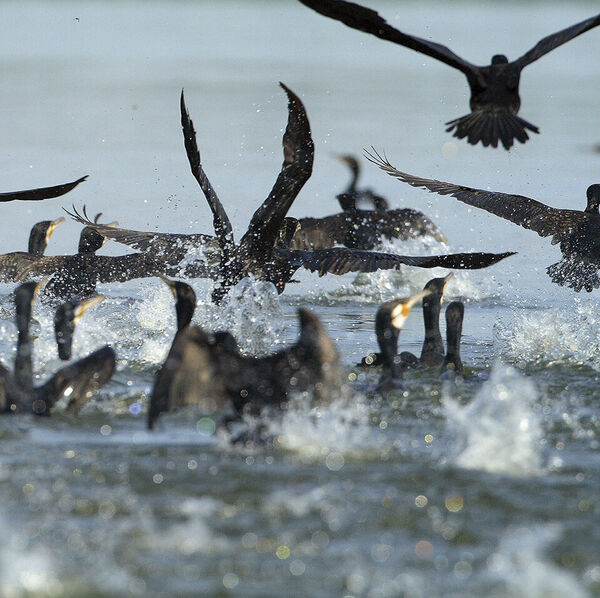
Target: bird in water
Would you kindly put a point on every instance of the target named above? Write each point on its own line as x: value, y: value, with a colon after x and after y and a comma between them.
x: 577, y: 231
x: 452, y: 366
x: 432, y: 352
x: 495, y: 99
x: 389, y: 321
x: 263, y: 251
x: 208, y: 370
x: 41, y: 193
x: 362, y: 228
x: 77, y: 381
x: 12, y: 263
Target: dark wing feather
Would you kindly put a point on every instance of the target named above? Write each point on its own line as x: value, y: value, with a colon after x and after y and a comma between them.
x: 298, y: 154
x: 369, y: 21
x: 340, y: 260
x: 525, y: 212
x: 41, y: 193
x: 221, y: 222
x: 78, y: 381
x: 172, y: 247
x: 551, y: 42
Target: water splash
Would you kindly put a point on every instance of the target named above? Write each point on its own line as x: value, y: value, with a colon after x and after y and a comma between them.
x: 328, y: 432
x: 571, y: 335
x: 499, y: 430
x: 520, y: 565
x: 384, y: 285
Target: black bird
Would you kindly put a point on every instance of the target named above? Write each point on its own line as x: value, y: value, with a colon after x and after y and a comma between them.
x: 263, y: 251
x: 66, y: 317
x: 389, y: 321
x: 11, y: 263
x: 452, y: 365
x: 77, y: 381
x: 208, y: 370
x: 495, y: 99
x: 260, y: 251
x: 41, y: 193
x: 432, y: 352
x: 359, y: 228
x: 577, y: 231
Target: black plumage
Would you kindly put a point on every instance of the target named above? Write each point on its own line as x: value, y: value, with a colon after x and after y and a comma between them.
x: 495, y: 99
x: 77, y: 381
x: 577, y: 231
x: 41, y: 193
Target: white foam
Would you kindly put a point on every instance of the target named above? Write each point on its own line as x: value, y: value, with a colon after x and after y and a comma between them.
x: 569, y: 334
x: 499, y: 430
x: 384, y: 285
x: 520, y: 565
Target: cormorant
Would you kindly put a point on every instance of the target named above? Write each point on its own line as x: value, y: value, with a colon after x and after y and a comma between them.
x: 260, y: 251
x: 207, y: 369
x: 577, y: 231
x: 66, y: 317
x: 11, y: 263
x: 41, y: 193
x: 77, y: 381
x: 452, y: 365
x: 362, y: 228
x: 432, y: 352
x: 389, y: 321
x: 495, y: 99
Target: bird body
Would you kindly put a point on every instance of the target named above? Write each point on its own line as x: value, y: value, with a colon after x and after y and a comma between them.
x: 494, y: 88
x: 577, y: 232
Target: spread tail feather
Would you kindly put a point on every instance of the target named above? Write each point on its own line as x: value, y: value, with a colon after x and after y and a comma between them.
x: 491, y: 126
x: 575, y: 274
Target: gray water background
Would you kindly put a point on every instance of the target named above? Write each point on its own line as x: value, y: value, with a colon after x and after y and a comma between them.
x: 96, y: 506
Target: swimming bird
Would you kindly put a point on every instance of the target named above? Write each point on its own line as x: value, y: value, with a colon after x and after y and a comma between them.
x: 208, y: 370
x: 432, y: 352
x: 452, y: 365
x: 77, y: 381
x: 41, y: 193
x: 66, y: 318
x: 495, y: 99
x: 389, y: 321
x: 353, y: 196
x: 577, y: 231
x: 11, y: 263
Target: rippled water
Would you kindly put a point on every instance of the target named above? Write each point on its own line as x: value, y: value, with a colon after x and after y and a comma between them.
x: 489, y: 488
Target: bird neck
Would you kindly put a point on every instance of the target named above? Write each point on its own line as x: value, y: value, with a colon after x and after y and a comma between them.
x: 354, y: 173
x: 452, y: 360
x: 23, y: 359
x: 387, y: 339
x: 37, y: 243
x: 433, y: 342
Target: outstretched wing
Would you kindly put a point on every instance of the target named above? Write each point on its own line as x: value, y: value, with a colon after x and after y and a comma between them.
x: 298, y: 154
x: 172, y: 247
x: 78, y: 381
x: 340, y: 260
x: 556, y: 39
x: 42, y: 192
x: 525, y: 212
x: 367, y: 20
x: 221, y: 222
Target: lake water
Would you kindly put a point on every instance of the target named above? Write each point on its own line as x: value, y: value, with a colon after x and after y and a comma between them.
x: 489, y: 489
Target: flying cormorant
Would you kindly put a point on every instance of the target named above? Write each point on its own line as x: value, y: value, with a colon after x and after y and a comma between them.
x: 495, y: 99
x: 577, y: 231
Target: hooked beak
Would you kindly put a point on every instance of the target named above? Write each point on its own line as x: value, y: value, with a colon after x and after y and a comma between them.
x: 170, y: 282
x: 52, y: 226
x: 447, y: 280
x: 401, y: 311
x: 85, y: 305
